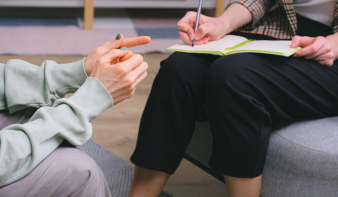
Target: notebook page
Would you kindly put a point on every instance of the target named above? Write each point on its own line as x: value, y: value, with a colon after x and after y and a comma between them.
x: 265, y: 46
x: 227, y: 41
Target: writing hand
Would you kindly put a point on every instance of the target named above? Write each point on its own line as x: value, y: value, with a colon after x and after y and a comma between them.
x: 209, y: 28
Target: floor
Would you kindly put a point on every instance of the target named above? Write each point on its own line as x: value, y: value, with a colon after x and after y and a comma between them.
x: 117, y: 129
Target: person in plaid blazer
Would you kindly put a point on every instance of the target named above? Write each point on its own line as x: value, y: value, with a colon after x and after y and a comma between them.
x: 264, y: 14
x: 244, y: 96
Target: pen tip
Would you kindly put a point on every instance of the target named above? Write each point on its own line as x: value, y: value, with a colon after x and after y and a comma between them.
x: 193, y: 43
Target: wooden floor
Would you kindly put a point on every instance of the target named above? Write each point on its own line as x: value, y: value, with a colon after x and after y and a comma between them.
x: 117, y: 129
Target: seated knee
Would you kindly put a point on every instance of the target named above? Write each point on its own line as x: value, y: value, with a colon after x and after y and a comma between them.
x: 76, y: 164
x: 176, y: 67
x: 231, y: 71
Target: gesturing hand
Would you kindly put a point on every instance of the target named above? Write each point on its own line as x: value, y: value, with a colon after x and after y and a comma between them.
x: 209, y: 28
x: 317, y: 48
x: 120, y: 78
x: 115, y: 44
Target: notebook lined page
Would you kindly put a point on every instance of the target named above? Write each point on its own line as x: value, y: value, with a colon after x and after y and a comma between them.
x: 227, y: 41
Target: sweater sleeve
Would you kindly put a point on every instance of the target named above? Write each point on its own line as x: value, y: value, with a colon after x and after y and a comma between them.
x: 24, y: 146
x: 3, y: 103
x: 257, y: 8
x: 25, y: 85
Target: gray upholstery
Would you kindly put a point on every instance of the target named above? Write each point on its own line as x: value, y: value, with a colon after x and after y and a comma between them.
x: 118, y: 173
x: 302, y: 159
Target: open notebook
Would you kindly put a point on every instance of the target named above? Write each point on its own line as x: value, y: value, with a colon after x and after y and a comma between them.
x: 231, y: 44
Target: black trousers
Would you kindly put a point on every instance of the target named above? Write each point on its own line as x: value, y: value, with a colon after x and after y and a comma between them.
x: 244, y: 96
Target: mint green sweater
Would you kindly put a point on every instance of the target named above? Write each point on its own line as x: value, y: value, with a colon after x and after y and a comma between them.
x: 22, y: 85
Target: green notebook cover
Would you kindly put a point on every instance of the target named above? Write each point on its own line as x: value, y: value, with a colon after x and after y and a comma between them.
x: 231, y: 44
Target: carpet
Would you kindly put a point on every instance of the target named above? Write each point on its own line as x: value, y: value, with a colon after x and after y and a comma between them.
x: 64, y: 35
x: 117, y: 172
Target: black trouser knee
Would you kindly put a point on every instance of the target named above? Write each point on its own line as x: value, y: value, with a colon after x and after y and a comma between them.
x: 238, y: 120
x: 173, y: 107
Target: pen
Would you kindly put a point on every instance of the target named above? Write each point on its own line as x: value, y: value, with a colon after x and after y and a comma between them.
x: 197, y: 19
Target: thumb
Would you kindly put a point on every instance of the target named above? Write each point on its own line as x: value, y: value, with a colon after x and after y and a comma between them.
x: 115, y: 44
x: 295, y: 42
x: 303, y: 41
x: 202, y: 30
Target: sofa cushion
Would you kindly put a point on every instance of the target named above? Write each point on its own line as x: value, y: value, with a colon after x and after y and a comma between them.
x: 302, y: 160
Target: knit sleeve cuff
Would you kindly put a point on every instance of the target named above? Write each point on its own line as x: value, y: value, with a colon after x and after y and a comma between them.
x: 3, y: 104
x: 67, y: 78
x: 93, y: 98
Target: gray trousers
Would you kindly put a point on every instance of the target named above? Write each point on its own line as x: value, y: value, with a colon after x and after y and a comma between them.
x: 66, y: 172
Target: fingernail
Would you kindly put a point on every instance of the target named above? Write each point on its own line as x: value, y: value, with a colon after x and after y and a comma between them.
x: 118, y: 36
x: 123, y: 48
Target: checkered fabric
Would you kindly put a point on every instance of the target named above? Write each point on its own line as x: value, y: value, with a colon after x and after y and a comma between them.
x: 275, y: 19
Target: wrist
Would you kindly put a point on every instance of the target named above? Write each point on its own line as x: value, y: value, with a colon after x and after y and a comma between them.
x: 86, y: 66
x: 236, y: 15
x: 226, y: 22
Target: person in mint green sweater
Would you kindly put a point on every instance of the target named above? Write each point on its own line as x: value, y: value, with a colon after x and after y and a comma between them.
x: 32, y: 163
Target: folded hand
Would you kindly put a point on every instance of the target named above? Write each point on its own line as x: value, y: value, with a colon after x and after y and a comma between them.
x: 119, y: 42
x: 120, y: 77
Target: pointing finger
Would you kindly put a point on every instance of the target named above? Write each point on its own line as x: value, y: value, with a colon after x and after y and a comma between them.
x: 131, y: 42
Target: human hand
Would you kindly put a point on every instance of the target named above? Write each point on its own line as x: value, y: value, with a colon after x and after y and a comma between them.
x: 119, y: 42
x: 316, y: 48
x: 210, y: 28
x: 120, y: 78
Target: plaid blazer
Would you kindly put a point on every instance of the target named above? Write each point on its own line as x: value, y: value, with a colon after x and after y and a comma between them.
x: 275, y: 20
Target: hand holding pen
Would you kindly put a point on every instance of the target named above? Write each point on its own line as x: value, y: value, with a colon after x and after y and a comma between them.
x: 208, y: 28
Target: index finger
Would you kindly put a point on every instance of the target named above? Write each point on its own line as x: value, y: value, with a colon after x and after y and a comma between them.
x: 186, y: 24
x: 295, y: 41
x: 131, y: 42
x: 134, y: 61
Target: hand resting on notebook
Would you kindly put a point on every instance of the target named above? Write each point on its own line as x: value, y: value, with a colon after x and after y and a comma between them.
x: 317, y: 48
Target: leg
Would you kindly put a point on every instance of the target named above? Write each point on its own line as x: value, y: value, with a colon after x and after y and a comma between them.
x: 19, y: 117
x: 169, y: 117
x: 66, y: 172
x: 147, y: 182
x: 248, y: 95
x: 243, y: 187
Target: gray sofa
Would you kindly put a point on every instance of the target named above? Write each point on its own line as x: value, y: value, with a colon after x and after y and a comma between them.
x: 302, y: 159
